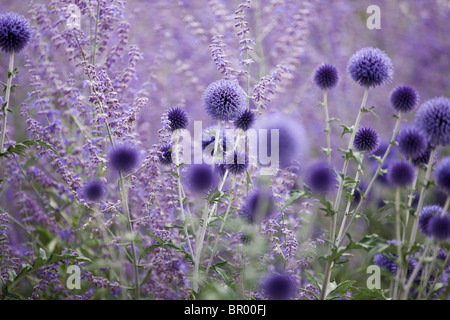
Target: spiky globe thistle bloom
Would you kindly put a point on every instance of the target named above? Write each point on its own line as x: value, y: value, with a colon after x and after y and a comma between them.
x: 224, y: 100
x: 401, y: 173
x: 292, y: 139
x: 404, y: 98
x: 200, y: 177
x: 370, y: 67
x: 236, y: 162
x: 279, y: 287
x: 246, y: 120
x: 178, y: 118
x: 94, y: 190
x: 442, y: 174
x: 320, y: 177
x: 15, y: 32
x: 439, y: 227
x: 366, y: 140
x: 425, y: 215
x: 412, y: 142
x: 124, y: 158
x: 258, y: 206
x: 433, y: 118
x: 166, y: 154
x: 326, y: 76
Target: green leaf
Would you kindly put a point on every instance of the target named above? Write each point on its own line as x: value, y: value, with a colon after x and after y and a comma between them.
x: 172, y: 173
x: 161, y: 243
x: 343, y: 287
x: 295, y: 195
x: 346, y: 130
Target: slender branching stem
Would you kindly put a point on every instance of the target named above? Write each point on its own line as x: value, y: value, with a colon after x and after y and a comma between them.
x: 5, y: 107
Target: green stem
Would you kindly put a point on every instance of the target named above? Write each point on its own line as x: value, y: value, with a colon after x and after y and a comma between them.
x: 327, y: 128
x: 5, y: 106
x: 421, y: 199
x: 329, y: 265
x: 180, y: 192
x: 372, y: 181
x: 399, y: 243
x: 126, y: 208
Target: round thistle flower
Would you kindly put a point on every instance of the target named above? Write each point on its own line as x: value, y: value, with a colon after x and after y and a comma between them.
x: 292, y: 139
x: 320, y: 177
x: 166, y: 154
x: 245, y: 120
x: 370, y: 67
x: 258, y: 206
x: 412, y: 142
x: 404, y: 98
x: 442, y: 174
x: 433, y: 118
x: 279, y: 287
x: 178, y: 118
x: 366, y: 140
x: 200, y: 177
x: 236, y: 162
x: 425, y: 215
x: 15, y: 32
x: 94, y: 190
x: 401, y: 173
x: 326, y: 76
x: 124, y: 158
x: 439, y: 227
x: 224, y: 100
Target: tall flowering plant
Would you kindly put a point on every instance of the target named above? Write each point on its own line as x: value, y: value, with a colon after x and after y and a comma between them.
x: 180, y: 157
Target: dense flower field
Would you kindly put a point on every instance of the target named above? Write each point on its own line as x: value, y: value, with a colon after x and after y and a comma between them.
x: 215, y: 149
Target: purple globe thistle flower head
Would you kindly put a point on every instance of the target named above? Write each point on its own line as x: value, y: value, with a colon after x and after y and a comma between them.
x: 366, y: 140
x: 94, y: 190
x: 433, y: 118
x: 412, y: 142
x: 246, y: 120
x: 292, y: 139
x: 258, y: 206
x: 279, y: 287
x: 236, y: 162
x: 124, y: 158
x: 370, y: 67
x: 439, y: 227
x: 404, y: 98
x: 442, y: 174
x: 385, y: 263
x: 401, y: 173
x: 209, y: 138
x: 224, y: 100
x: 425, y: 215
x: 178, y: 118
x: 320, y: 177
x: 200, y: 177
x: 166, y: 154
x: 15, y: 32
x: 326, y: 76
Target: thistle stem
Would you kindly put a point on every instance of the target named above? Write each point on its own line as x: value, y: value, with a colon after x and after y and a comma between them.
x: 421, y: 199
x: 329, y: 265
x: 5, y: 106
x: 327, y: 127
